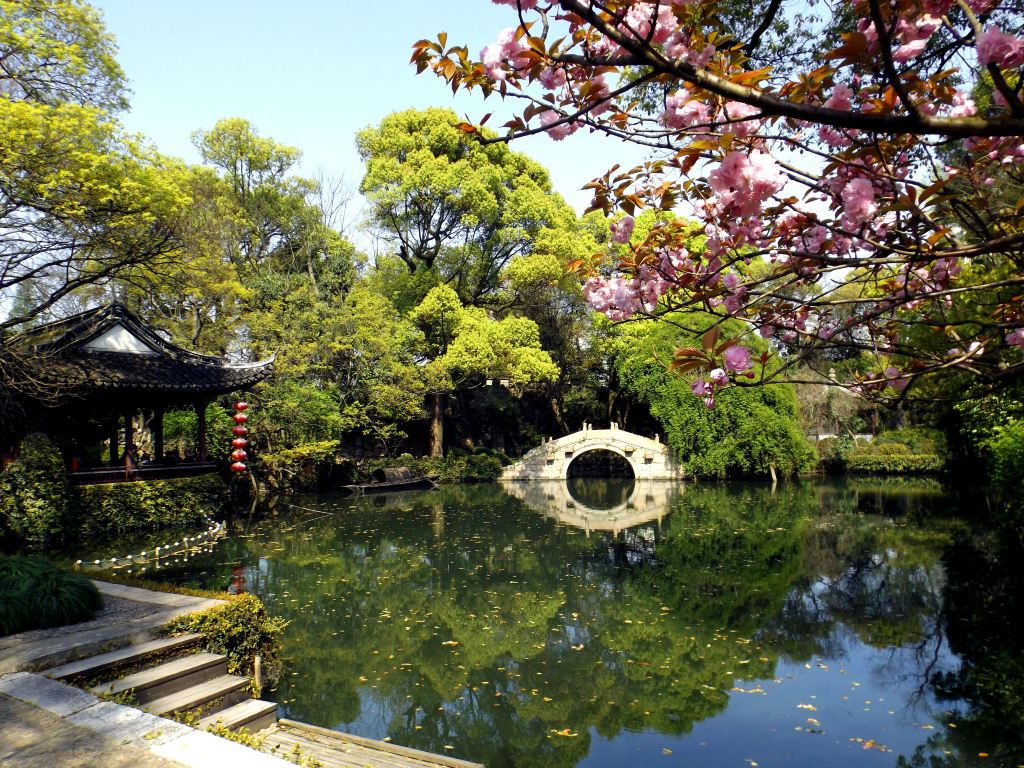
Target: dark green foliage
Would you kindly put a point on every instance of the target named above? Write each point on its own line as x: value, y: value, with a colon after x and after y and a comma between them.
x: 35, y: 497
x: 484, y: 465
x: 1007, y: 451
x: 750, y: 429
x: 241, y: 630
x: 917, y: 439
x: 120, y: 507
x: 832, y: 453
x: 35, y: 594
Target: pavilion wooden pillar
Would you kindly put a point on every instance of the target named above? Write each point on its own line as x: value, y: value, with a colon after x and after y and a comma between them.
x: 112, y: 459
x: 158, y: 435
x: 129, y: 434
x: 201, y: 418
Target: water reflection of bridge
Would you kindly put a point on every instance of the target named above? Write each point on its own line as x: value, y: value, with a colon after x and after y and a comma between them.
x: 644, y: 502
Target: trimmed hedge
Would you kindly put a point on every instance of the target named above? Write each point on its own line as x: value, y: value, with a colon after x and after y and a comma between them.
x: 36, y: 594
x: 35, y: 496
x: 120, y: 507
x: 38, y: 505
x: 882, y: 462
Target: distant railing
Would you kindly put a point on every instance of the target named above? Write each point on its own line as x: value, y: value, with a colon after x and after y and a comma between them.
x: 96, y: 475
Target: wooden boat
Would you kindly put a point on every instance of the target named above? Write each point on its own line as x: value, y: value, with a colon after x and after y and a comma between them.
x: 391, y: 479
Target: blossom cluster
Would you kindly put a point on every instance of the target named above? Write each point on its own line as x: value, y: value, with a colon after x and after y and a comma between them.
x: 871, y: 208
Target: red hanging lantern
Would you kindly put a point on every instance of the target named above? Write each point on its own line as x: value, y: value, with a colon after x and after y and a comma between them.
x: 240, y: 431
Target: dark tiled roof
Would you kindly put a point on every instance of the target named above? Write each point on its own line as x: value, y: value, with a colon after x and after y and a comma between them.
x: 60, y: 348
x: 120, y: 370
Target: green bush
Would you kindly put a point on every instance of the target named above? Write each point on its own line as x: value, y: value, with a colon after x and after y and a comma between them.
x: 1007, y: 456
x: 35, y: 497
x: 832, y: 452
x: 118, y: 507
x: 457, y: 467
x: 891, y: 459
x: 918, y: 440
x: 35, y: 594
x: 241, y: 630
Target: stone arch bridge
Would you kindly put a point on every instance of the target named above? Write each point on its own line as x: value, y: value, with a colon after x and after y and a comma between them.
x: 649, y: 459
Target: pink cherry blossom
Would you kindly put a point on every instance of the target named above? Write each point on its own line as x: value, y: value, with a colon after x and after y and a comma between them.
x: 738, y: 114
x: 700, y: 388
x: 896, y: 379
x: 556, y: 130
x: 622, y: 229
x: 743, y: 182
x: 737, y: 358
x: 683, y: 112
x: 1000, y: 48
x: 1015, y: 338
x: 719, y: 377
x: 858, y: 203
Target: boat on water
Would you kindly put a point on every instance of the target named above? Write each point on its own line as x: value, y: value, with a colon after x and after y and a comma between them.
x: 391, y: 479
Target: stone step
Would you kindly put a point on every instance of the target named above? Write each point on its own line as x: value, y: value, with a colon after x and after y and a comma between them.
x: 121, y: 657
x: 252, y: 714
x: 167, y: 678
x: 228, y: 687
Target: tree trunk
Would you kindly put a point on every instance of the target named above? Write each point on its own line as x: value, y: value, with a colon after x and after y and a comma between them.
x: 437, y: 424
x: 556, y: 410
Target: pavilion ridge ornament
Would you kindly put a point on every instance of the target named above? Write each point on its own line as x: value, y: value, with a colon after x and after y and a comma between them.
x: 239, y: 455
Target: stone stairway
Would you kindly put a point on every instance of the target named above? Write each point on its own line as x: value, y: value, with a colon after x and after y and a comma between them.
x: 181, y: 685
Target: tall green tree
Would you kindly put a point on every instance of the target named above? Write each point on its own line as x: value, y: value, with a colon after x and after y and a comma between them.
x: 84, y: 204
x: 453, y: 206
x: 465, y: 346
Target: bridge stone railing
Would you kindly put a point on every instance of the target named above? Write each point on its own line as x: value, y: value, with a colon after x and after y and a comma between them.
x: 649, y: 459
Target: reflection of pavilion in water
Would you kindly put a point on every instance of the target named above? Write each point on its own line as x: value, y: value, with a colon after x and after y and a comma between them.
x: 594, y: 504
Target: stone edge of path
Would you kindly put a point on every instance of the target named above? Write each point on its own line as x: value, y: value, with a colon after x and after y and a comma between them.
x: 59, y: 649
x: 126, y: 725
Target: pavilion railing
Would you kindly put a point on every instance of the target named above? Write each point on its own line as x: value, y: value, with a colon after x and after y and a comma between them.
x: 141, y: 472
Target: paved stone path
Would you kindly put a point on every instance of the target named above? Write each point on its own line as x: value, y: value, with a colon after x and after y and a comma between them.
x: 130, y: 615
x: 31, y: 737
x: 48, y: 724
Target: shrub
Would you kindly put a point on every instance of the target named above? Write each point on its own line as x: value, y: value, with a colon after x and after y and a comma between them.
x: 832, y: 452
x: 891, y: 459
x: 35, y: 496
x: 241, y: 630
x: 919, y: 440
x: 457, y: 467
x: 1007, y: 452
x: 119, y: 507
x: 35, y: 594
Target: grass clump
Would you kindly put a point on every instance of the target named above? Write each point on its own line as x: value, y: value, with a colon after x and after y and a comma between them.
x: 36, y: 594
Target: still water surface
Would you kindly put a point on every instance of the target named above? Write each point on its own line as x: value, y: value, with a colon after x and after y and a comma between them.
x: 612, y: 623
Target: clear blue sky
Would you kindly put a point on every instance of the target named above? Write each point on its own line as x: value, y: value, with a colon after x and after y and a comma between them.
x: 312, y: 73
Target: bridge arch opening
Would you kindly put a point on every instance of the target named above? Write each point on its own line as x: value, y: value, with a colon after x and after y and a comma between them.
x: 600, y: 463
x: 600, y: 479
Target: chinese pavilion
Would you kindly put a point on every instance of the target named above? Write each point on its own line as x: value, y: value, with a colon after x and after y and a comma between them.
x: 114, y: 379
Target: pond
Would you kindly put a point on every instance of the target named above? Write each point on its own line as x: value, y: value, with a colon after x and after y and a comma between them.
x: 602, y: 622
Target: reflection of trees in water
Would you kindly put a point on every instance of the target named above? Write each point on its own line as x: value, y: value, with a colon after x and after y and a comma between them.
x: 983, y: 603
x: 600, y: 492
x: 459, y: 617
